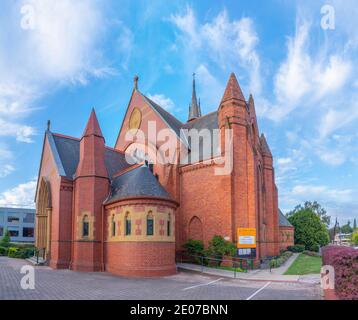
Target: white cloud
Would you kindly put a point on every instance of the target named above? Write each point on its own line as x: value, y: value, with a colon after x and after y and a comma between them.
x: 6, y: 170
x: 335, y: 119
x: 322, y: 192
x: 125, y: 44
x: 22, y: 133
x: 213, y: 88
x: 230, y: 44
x: 188, y: 25
x: 304, y: 79
x: 163, y: 101
x: 61, y: 49
x: 5, y: 152
x: 21, y: 195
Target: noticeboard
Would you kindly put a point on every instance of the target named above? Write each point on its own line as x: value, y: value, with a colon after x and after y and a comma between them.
x: 246, y: 238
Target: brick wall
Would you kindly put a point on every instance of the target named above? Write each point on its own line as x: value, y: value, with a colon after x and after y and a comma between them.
x: 140, y: 259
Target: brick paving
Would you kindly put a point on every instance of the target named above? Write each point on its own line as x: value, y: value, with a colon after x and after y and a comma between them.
x: 70, y: 285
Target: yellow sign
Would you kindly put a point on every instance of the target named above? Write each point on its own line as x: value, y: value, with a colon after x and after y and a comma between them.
x: 246, y: 238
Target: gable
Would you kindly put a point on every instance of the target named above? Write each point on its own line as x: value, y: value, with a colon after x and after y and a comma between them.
x: 150, y: 111
x: 50, y: 164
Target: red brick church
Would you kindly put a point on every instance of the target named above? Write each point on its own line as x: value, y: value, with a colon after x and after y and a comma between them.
x: 97, y: 211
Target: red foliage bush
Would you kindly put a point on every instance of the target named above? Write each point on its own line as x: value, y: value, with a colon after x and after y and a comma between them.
x: 345, y: 263
x: 330, y: 251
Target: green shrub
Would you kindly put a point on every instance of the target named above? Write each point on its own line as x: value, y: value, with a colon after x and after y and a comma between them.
x: 219, y: 247
x: 314, y: 247
x: 22, y: 245
x: 278, y: 261
x: 355, y: 237
x: 194, y: 247
x: 296, y: 248
x: 12, y: 252
x: 3, y: 251
x: 20, y: 253
x: 5, y: 241
x: 311, y: 253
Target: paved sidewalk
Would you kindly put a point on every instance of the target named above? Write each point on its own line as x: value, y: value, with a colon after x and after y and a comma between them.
x: 275, y: 275
x: 71, y: 285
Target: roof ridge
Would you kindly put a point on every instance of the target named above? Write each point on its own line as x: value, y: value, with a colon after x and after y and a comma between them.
x: 208, y: 114
x: 115, y: 150
x: 65, y: 136
x: 162, y: 109
x: 123, y: 171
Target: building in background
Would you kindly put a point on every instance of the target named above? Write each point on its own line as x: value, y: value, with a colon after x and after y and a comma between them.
x: 19, y: 222
x: 343, y: 239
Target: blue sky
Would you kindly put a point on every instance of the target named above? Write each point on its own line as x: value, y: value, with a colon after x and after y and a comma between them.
x: 83, y: 54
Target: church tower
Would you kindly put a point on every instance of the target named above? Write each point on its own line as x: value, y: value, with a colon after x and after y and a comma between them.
x: 91, y: 187
x: 233, y: 113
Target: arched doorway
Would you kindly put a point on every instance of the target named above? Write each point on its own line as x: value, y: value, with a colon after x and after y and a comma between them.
x: 196, y: 229
x: 43, y: 218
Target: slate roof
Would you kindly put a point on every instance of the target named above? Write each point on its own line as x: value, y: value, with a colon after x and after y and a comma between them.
x: 210, y: 122
x: 173, y: 122
x: 135, y: 183
x: 282, y: 220
x: 139, y: 181
x: 68, y: 150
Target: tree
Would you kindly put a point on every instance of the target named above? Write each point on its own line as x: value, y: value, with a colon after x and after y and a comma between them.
x: 354, y: 224
x: 316, y: 208
x: 347, y: 228
x: 5, y: 241
x: 219, y: 247
x: 194, y: 247
x: 355, y: 238
x: 310, y: 231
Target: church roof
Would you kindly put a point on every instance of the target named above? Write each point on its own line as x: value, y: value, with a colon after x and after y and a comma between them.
x: 282, y: 220
x: 210, y: 122
x: 68, y: 151
x: 233, y: 90
x: 172, y: 121
x: 92, y: 127
x: 137, y: 182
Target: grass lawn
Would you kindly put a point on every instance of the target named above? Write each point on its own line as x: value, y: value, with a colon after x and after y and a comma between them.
x: 305, y: 264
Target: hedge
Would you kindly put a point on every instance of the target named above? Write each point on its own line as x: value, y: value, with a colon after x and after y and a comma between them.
x: 296, y: 248
x: 345, y: 263
x: 3, y: 251
x: 277, y: 262
x: 19, y: 253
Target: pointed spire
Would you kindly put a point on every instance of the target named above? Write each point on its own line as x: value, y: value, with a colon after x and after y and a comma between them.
x: 251, y: 103
x: 48, y: 125
x: 265, y: 147
x: 251, y: 100
x: 194, y: 108
x: 92, y: 127
x: 136, y: 79
x: 233, y: 90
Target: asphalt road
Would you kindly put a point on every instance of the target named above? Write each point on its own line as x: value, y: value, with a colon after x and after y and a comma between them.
x: 70, y: 285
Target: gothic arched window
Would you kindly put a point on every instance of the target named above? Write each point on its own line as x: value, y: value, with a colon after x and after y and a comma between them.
x: 128, y: 224
x: 113, y: 225
x: 169, y: 221
x: 150, y: 224
x: 85, y: 226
